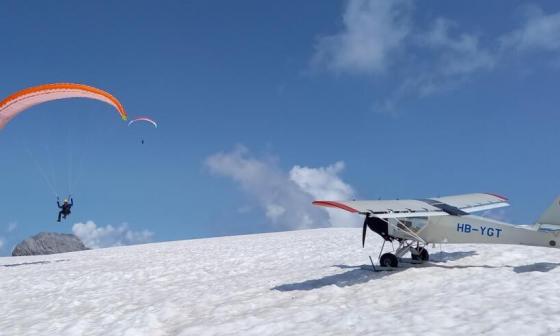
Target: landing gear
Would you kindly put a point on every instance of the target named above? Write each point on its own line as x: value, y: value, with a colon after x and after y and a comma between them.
x: 408, y: 241
x: 389, y: 260
x: 421, y: 254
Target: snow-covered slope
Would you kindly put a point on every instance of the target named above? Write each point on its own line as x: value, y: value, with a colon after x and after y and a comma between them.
x: 290, y: 283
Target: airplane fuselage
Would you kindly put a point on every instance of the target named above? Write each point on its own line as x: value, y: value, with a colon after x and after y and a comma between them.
x: 480, y: 230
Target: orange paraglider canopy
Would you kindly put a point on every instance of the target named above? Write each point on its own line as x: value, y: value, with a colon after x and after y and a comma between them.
x: 24, y: 99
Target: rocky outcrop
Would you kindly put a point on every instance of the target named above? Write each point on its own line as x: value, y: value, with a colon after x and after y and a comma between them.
x: 49, y: 243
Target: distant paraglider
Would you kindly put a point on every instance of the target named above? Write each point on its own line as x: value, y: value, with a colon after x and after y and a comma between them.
x: 143, y: 119
x: 24, y: 99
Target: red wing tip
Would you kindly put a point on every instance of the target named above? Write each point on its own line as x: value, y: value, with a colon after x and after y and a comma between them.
x: 503, y: 198
x: 332, y: 204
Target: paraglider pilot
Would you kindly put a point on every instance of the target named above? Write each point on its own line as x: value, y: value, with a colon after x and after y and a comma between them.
x: 64, y: 208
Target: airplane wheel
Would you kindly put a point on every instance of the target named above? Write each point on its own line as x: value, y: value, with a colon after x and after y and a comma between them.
x: 389, y: 260
x: 422, y: 255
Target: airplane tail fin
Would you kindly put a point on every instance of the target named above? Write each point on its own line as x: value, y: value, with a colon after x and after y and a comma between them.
x: 551, y: 217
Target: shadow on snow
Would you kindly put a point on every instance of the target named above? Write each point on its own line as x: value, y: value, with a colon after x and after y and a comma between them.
x: 35, y: 263
x: 355, y: 275
x: 536, y: 267
x: 443, y: 257
x: 359, y: 274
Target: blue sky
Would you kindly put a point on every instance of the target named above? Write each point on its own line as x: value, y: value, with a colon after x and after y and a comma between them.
x: 264, y: 106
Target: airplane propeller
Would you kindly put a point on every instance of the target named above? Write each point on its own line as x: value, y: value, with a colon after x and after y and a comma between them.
x: 364, y: 231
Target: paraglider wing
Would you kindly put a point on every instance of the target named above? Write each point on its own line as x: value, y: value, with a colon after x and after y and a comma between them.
x: 24, y: 99
x: 146, y: 119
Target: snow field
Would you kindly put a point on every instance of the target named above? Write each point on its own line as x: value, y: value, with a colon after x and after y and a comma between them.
x: 287, y: 283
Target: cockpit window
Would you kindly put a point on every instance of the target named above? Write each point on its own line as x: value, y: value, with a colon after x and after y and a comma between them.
x: 414, y: 224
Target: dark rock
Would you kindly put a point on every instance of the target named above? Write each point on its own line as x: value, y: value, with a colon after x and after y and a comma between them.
x: 49, y: 243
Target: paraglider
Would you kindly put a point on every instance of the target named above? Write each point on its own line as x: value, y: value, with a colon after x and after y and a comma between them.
x: 24, y: 99
x: 143, y: 119
x: 64, y: 208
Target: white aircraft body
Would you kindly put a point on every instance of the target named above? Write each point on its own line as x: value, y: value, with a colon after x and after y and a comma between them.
x: 416, y: 223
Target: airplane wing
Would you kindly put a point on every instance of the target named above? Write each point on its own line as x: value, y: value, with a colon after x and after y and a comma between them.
x: 458, y: 205
x: 475, y: 202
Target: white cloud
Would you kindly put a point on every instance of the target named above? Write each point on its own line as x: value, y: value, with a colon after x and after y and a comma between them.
x: 458, y: 55
x: 274, y: 211
x: 373, y: 31
x: 285, y: 198
x: 452, y: 57
x: 539, y: 32
x: 323, y: 183
x: 11, y: 227
x: 105, y: 236
x: 1, y: 242
x: 380, y: 35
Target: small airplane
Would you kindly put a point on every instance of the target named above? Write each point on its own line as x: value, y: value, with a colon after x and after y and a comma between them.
x: 416, y: 223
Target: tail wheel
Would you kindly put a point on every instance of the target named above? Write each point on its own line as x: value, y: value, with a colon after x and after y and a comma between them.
x: 389, y: 260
